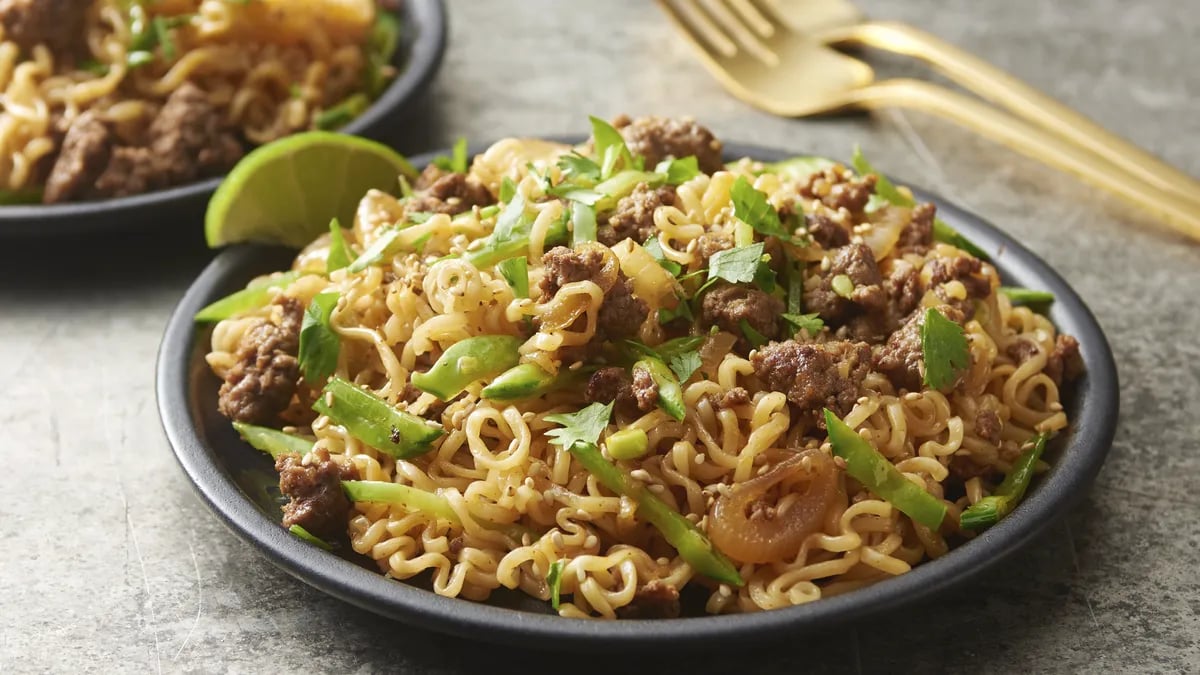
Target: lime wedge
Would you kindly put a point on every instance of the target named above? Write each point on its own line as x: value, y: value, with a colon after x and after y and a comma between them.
x: 286, y: 192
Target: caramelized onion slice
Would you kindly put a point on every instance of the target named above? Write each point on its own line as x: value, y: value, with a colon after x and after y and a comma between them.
x: 774, y: 538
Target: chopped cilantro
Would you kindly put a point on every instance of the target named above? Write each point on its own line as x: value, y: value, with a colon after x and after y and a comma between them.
x: 575, y: 167
x: 808, y: 322
x: 678, y: 170
x: 944, y: 349
x: 319, y: 344
x: 585, y: 425
x: 654, y: 247
x: 682, y: 311
x: 751, y: 207
x: 737, y: 265
x: 684, y: 364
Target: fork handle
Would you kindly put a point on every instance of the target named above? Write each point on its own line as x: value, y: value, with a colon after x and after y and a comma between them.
x: 1030, y: 140
x: 994, y: 84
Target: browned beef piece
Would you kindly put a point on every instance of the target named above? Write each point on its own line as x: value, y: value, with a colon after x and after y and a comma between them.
x: 58, y: 24
x: 622, y: 312
x: 439, y: 191
x: 965, y: 468
x: 657, y: 138
x: 1064, y: 363
x: 901, y: 357
x: 262, y: 382
x: 917, y: 236
x: 612, y: 385
x: 709, y: 245
x: 130, y: 171
x: 857, y: 262
x: 633, y: 217
x: 826, y: 232
x: 86, y: 150
x: 317, y: 502
x: 903, y: 289
x: 728, y: 305
x: 189, y: 138
x: 1021, y: 350
x: 655, y: 600
x: 645, y: 390
x: 988, y: 425
x: 815, y: 376
x: 964, y: 269
x: 837, y: 192
x: 730, y: 399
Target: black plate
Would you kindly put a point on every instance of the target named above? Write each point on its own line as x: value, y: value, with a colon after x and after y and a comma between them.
x: 226, y: 472
x: 419, y: 56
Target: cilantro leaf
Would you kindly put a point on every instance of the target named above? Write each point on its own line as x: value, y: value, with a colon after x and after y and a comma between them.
x: 795, y: 290
x: 654, y: 247
x: 679, y: 171
x: 764, y: 276
x: 1027, y: 296
x: 575, y: 168
x: 684, y: 364
x: 682, y: 311
x: 339, y: 253
x: 885, y: 189
x: 944, y: 349
x: 516, y: 272
x: 751, y: 207
x: 736, y: 265
x: 319, y: 344
x: 809, y: 322
x: 610, y: 147
x: 457, y: 161
x: 585, y: 425
x: 554, y: 581
x: 583, y: 217
x: 576, y: 194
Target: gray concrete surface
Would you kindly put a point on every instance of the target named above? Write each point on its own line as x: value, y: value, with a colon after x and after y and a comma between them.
x: 109, y: 563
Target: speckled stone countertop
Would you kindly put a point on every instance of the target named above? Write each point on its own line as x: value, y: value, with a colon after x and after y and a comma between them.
x: 109, y: 562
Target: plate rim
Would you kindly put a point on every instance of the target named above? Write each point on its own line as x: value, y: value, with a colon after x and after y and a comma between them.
x: 425, y: 56
x: 1093, y: 430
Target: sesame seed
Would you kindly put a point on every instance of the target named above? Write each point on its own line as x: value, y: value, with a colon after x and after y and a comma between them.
x: 656, y: 488
x: 725, y: 590
x: 663, y: 562
x: 640, y: 474
x: 591, y: 542
x: 700, y: 458
x: 329, y: 398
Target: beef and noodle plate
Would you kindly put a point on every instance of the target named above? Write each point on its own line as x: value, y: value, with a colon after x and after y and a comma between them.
x: 110, y: 98
x: 613, y: 373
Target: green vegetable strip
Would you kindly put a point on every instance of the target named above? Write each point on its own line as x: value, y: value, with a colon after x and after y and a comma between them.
x: 381, y: 47
x: 885, y: 189
x: 583, y: 218
x: 989, y: 510
x: 880, y: 476
x: 310, y: 537
x: 467, y: 361
x: 670, y: 394
x: 681, y: 533
x: 411, y: 498
x: 756, y: 338
x: 252, y: 297
x: 795, y: 293
x: 342, y: 113
x: 524, y: 381
x: 554, y: 582
x: 629, y: 443
x: 496, y: 249
x: 624, y: 183
x: 339, y: 252
x: 22, y: 196
x: 272, y: 442
x: 1027, y: 296
x: 516, y: 273
x: 375, y: 422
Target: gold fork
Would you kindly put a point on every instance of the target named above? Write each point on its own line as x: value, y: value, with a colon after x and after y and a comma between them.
x: 840, y: 23
x: 768, y: 65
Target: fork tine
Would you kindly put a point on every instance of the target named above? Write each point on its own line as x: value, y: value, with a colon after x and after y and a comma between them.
x: 696, y: 24
x: 753, y: 17
x: 723, y: 16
